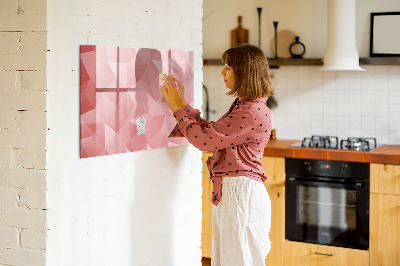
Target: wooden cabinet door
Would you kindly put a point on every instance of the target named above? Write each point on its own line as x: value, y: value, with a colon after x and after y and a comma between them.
x: 384, y: 237
x: 277, y: 233
x: 385, y: 178
x: 206, y: 225
x: 274, y: 168
x: 304, y: 254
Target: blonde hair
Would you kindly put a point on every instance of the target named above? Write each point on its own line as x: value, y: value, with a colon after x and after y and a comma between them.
x: 250, y: 66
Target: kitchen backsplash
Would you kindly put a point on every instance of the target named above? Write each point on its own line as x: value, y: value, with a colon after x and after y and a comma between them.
x: 314, y: 102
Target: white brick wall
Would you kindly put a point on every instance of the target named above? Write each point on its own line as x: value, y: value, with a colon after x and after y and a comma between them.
x: 23, y: 132
x: 11, y: 256
x: 114, y: 210
x: 23, y: 178
x: 9, y: 237
x: 33, y: 239
x: 9, y: 197
x: 140, y: 208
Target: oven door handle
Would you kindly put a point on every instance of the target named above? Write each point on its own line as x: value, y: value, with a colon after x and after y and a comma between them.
x: 357, y: 185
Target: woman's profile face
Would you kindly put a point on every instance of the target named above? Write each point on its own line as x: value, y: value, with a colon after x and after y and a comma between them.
x: 229, y: 76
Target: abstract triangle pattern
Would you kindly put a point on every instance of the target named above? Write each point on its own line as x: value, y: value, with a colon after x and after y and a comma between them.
x: 120, y: 86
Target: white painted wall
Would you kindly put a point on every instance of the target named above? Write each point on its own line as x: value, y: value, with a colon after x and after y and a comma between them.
x: 344, y: 103
x: 23, y: 133
x: 140, y: 208
x: 305, y: 18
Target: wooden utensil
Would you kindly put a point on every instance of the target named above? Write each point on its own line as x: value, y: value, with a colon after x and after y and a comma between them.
x: 239, y: 35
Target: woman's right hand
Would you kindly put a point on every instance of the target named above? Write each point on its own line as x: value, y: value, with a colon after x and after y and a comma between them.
x: 181, y: 91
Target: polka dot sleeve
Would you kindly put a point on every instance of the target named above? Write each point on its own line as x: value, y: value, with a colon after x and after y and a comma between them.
x: 232, y: 130
x: 193, y: 113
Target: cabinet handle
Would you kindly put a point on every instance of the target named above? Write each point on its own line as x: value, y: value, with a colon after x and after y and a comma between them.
x: 324, y: 254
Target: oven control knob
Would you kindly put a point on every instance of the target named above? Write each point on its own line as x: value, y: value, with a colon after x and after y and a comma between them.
x: 343, y: 168
x: 308, y: 166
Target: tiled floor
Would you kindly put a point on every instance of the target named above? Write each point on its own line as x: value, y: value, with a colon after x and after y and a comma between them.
x: 206, y: 261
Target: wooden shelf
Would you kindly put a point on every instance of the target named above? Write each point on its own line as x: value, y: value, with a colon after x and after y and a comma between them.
x: 273, y: 62
x: 212, y: 62
x: 380, y: 61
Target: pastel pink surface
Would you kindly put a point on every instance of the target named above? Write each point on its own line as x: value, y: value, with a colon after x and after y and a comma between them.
x: 120, y: 85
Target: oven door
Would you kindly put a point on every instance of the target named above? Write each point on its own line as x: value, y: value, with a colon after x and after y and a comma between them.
x: 327, y: 213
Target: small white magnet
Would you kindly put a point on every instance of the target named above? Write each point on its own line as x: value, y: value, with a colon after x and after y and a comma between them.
x: 141, y: 126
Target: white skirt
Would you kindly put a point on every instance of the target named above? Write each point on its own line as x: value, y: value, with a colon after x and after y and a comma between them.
x: 241, y: 223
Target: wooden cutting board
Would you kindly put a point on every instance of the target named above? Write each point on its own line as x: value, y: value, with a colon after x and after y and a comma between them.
x: 239, y: 35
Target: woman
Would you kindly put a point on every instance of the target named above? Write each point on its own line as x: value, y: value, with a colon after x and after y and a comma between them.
x: 242, y: 208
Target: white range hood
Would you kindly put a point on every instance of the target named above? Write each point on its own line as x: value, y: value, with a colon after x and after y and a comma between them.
x: 341, y: 51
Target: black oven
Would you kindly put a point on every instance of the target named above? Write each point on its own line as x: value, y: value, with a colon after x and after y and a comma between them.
x: 327, y: 202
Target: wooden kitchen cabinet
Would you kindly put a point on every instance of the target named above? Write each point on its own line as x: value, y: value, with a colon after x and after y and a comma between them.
x: 206, y: 225
x: 384, y: 236
x: 385, y: 178
x: 385, y: 215
x: 305, y: 254
x: 274, y: 168
x: 277, y: 233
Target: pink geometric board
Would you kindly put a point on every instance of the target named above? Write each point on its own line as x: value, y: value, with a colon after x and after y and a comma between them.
x: 121, y: 108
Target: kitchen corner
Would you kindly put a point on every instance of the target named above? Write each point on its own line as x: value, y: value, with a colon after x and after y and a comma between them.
x: 330, y: 206
x: 382, y: 214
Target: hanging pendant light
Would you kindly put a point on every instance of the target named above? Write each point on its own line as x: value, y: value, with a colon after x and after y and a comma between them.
x: 341, y: 51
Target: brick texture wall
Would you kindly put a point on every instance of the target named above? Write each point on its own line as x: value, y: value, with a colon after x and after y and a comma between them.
x: 23, y: 128
x: 139, y: 208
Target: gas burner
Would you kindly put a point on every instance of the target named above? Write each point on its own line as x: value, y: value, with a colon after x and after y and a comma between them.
x: 332, y: 142
x: 327, y: 142
x: 358, y: 144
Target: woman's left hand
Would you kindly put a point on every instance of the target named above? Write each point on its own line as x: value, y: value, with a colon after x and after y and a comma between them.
x: 171, y: 95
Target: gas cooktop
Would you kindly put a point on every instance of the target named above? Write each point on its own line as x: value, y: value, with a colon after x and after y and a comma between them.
x: 332, y: 142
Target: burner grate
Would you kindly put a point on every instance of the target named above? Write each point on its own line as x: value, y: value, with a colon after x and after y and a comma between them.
x: 358, y: 144
x: 327, y: 142
x: 332, y: 142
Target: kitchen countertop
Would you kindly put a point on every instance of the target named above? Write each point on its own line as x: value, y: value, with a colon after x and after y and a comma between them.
x: 389, y: 154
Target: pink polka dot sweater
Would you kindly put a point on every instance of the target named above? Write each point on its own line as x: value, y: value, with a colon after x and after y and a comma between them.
x: 238, y: 139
